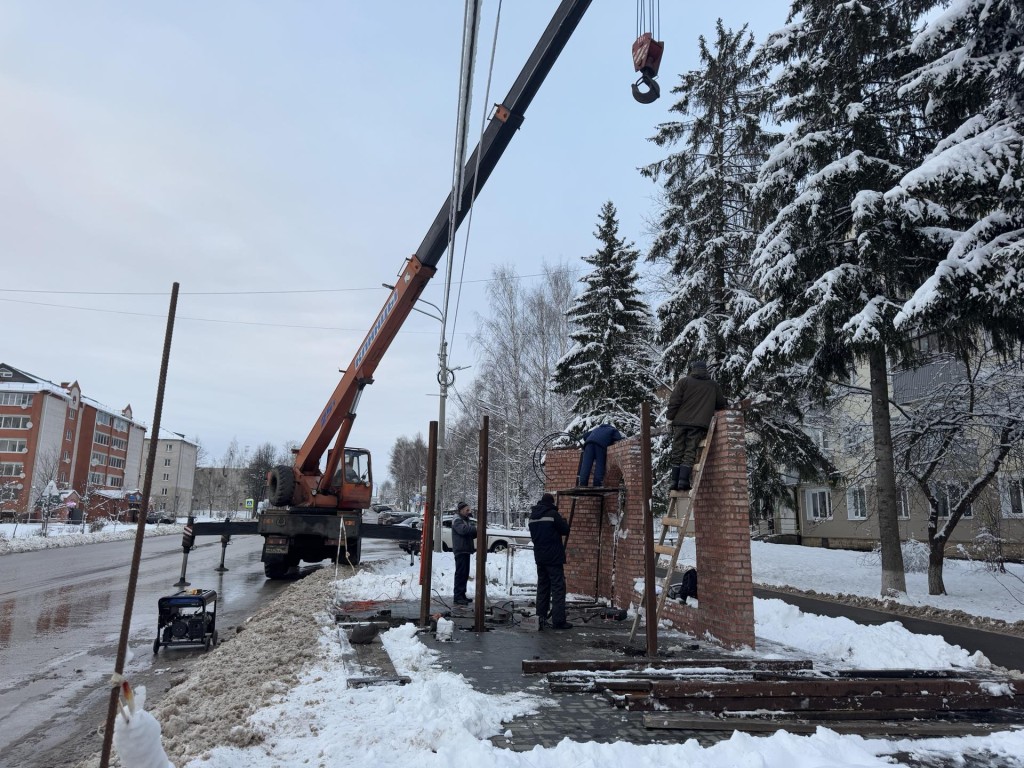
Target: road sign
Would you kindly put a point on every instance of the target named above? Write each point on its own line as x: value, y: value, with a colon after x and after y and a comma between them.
x: 249, y: 503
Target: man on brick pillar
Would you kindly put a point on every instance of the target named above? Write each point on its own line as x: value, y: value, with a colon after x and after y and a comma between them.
x: 595, y: 453
x: 547, y: 529
x: 693, y: 402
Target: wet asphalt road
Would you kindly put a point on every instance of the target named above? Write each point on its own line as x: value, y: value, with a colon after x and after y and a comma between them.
x: 60, y: 618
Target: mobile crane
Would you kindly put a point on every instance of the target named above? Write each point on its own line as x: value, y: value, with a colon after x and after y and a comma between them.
x: 318, y: 512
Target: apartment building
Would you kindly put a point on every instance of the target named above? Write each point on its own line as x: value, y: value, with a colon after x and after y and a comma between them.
x: 52, y: 436
x: 843, y: 513
x: 174, y: 473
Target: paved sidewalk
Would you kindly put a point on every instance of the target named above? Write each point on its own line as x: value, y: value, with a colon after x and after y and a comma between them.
x: 492, y: 661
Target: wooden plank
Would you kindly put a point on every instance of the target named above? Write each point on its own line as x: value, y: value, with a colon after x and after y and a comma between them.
x: 665, y: 549
x: 544, y: 666
x: 935, y: 703
x: 811, y: 687
x: 677, y: 721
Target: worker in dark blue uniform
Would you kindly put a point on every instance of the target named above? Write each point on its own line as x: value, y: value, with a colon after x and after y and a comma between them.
x: 547, y: 527
x: 595, y: 453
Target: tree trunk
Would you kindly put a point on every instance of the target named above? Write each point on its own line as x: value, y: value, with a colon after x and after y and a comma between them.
x: 936, y: 553
x: 894, y: 581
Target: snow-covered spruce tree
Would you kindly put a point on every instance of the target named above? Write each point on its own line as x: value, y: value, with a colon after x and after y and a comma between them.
x: 609, y: 369
x: 706, y: 236
x: 833, y: 269
x: 966, y: 195
x: 966, y: 198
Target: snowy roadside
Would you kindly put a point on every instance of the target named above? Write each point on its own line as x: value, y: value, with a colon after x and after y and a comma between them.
x: 28, y: 537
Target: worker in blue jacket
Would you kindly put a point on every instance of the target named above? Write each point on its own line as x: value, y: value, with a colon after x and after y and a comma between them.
x: 595, y: 452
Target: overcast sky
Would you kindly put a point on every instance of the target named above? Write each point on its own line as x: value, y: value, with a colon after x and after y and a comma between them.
x: 280, y: 160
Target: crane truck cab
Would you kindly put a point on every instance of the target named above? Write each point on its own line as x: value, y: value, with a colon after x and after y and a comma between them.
x: 294, y: 533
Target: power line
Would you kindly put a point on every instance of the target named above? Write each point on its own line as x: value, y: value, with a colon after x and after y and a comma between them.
x: 195, y: 319
x: 46, y: 291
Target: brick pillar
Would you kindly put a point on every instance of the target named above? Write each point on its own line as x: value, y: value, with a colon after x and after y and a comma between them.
x: 605, y: 553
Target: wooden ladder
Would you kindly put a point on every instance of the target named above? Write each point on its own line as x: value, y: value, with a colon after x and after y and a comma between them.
x: 680, y: 511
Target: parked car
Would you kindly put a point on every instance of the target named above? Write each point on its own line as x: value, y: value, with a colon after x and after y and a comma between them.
x: 498, y: 539
x: 393, y: 516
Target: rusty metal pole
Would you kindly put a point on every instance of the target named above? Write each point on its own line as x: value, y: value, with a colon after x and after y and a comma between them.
x: 650, y: 598
x: 481, y: 529
x: 427, y: 544
x: 140, y: 533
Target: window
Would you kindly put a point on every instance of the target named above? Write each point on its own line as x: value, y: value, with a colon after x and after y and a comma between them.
x: 120, y: 425
x: 169, y: 447
x: 104, y: 418
x: 15, y: 422
x: 119, y: 444
x: 15, y: 398
x: 101, y: 439
x: 116, y: 463
x: 819, y: 503
x: 63, y: 478
x: 163, y: 491
x: 13, y: 446
x: 69, y: 435
x: 114, y: 481
x: 98, y: 459
x: 167, y: 476
x: 856, y: 504
x: 12, y: 469
x: 71, y: 413
x: 928, y: 344
x: 948, y: 494
x: 903, y: 503
x: 1011, y: 496
x: 66, y: 456
x: 167, y: 462
x: 96, y: 478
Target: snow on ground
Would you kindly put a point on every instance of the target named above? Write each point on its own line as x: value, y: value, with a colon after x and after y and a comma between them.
x: 28, y: 537
x: 277, y: 695
x: 438, y: 719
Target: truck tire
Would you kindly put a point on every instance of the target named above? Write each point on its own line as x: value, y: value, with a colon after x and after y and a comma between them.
x: 281, y: 486
x: 275, y: 570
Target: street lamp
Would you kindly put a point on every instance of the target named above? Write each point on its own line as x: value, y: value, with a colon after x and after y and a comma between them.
x: 445, y: 378
x: 177, y: 472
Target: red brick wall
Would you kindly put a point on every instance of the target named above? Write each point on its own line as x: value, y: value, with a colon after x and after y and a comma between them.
x: 605, y: 551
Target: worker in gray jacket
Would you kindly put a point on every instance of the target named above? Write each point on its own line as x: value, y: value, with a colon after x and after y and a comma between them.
x: 463, y: 545
x: 693, y: 402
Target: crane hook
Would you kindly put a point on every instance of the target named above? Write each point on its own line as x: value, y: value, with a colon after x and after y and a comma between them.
x: 646, y: 60
x: 651, y: 94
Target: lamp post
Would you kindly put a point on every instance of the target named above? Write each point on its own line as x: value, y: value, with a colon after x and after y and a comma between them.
x: 445, y: 378
x: 177, y: 472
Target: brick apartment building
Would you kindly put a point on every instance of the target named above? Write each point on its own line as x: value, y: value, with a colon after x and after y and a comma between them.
x: 52, y: 433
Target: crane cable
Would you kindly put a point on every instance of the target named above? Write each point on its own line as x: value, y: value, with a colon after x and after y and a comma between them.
x: 648, y: 17
x: 476, y: 171
x: 470, y: 31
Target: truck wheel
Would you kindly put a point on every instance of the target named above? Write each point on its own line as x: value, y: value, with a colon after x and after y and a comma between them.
x: 355, y: 550
x: 156, y: 645
x: 275, y: 570
x: 499, y: 546
x: 281, y: 486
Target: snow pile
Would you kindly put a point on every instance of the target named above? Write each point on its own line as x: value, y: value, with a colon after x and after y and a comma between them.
x: 27, y: 537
